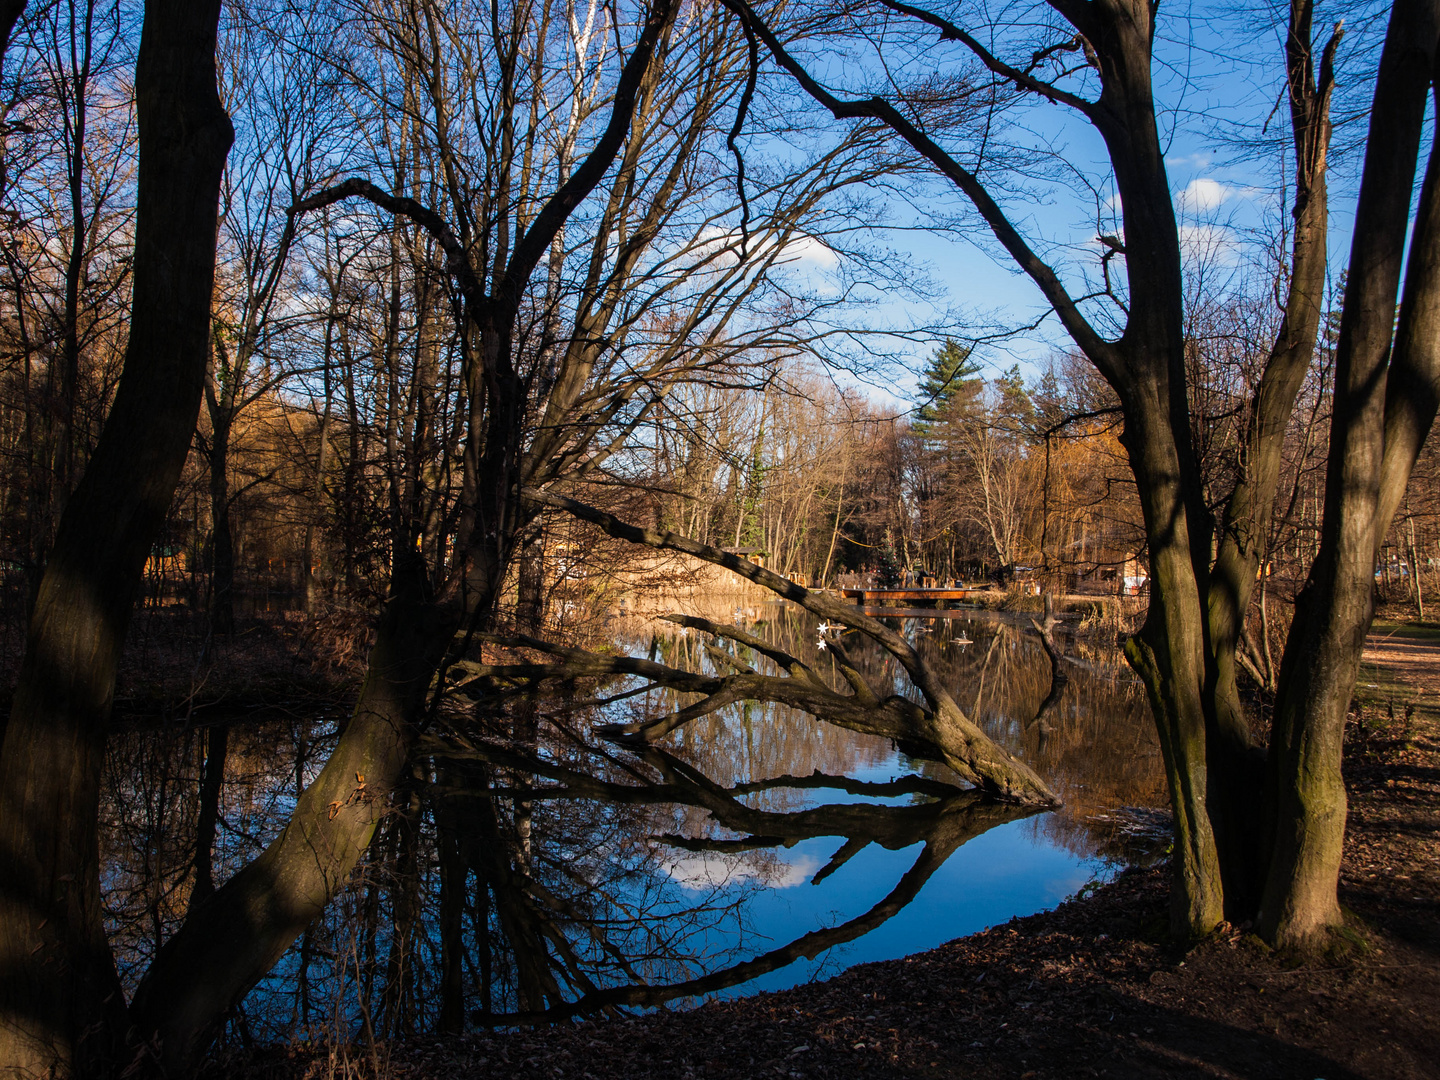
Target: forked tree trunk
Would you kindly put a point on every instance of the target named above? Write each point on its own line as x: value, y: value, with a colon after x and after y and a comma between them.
x: 61, y: 1007
x: 1374, y: 439
x: 1236, y: 777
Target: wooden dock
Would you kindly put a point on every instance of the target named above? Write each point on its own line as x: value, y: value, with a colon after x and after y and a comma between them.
x: 912, y: 595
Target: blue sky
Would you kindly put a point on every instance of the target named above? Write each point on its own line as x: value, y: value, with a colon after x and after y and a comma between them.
x: 1219, y: 76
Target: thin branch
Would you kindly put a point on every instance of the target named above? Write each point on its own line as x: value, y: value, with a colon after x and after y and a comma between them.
x: 1022, y: 79
x: 1101, y: 352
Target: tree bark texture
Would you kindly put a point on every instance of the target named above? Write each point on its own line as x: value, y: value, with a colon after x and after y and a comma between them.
x: 1334, y: 610
x: 232, y: 939
x: 1236, y: 778
x: 61, y: 1010
x: 1146, y: 367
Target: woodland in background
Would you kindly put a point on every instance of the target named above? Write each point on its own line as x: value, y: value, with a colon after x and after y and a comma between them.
x: 503, y: 294
x: 331, y: 425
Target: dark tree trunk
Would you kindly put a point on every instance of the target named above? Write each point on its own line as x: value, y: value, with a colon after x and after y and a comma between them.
x: 322, y: 456
x: 67, y: 384
x: 1363, y: 484
x: 530, y: 580
x: 61, y: 1008
x: 453, y: 878
x: 212, y: 782
x: 1236, y: 778
x: 222, y: 536
x: 10, y: 12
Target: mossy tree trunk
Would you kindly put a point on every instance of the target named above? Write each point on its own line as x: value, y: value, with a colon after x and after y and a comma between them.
x: 1387, y: 377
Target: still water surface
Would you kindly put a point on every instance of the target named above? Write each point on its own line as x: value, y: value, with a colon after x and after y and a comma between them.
x: 540, y: 871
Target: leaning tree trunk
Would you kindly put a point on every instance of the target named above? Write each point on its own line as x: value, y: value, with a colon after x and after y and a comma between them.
x: 232, y: 939
x: 61, y: 1008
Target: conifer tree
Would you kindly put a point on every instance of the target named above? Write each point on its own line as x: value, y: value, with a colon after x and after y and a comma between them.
x: 950, y: 368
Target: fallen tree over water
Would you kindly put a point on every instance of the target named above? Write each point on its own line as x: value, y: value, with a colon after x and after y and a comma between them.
x: 937, y: 728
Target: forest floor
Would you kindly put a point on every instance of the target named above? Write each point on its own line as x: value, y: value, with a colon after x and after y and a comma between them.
x: 1089, y: 989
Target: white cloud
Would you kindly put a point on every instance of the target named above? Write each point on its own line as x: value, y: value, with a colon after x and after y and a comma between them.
x: 809, y: 251
x: 713, y: 870
x: 1203, y: 194
x: 721, y: 247
x: 1208, y: 243
x: 1189, y: 161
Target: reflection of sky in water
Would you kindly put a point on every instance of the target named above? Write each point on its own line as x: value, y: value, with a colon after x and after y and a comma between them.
x: 1001, y: 874
x: 605, y: 878
x: 1014, y: 869
x: 706, y: 870
x: 1011, y: 870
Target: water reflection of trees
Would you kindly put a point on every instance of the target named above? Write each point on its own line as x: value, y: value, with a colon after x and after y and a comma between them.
x: 589, y: 934
x: 522, y: 880
x: 1095, y: 742
x: 529, y: 871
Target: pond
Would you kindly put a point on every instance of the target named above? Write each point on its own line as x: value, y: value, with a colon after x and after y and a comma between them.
x: 537, y: 871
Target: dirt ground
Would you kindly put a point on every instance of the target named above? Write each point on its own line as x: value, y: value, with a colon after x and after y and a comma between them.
x: 1090, y: 989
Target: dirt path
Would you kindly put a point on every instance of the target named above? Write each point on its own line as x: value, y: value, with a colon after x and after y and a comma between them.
x: 1404, y: 660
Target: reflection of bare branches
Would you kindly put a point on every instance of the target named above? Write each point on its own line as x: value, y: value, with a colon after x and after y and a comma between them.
x: 908, y: 722
x: 1058, y: 675
x: 635, y: 883
x: 937, y: 729
x: 942, y: 824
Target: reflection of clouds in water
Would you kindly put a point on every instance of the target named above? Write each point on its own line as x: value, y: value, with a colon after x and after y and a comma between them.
x: 712, y: 870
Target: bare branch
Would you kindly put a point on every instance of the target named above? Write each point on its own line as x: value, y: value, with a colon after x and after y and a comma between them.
x: 456, y: 261
x: 1022, y: 79
x: 1103, y: 353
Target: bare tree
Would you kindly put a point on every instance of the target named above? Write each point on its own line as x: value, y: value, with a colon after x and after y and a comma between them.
x: 61, y: 1008
x: 1184, y: 654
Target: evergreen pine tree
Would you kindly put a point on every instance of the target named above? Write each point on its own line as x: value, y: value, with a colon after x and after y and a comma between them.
x: 948, y: 371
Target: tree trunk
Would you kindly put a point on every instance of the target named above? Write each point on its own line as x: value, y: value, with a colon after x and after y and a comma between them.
x: 212, y: 781
x: 1333, y: 612
x: 61, y: 1008
x: 1167, y: 653
x: 322, y: 457
x: 1236, y: 776
x: 453, y: 879
x: 530, y: 579
x: 222, y: 536
x: 228, y: 943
